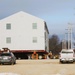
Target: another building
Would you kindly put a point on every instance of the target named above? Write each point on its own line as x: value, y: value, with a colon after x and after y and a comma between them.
x: 23, y: 34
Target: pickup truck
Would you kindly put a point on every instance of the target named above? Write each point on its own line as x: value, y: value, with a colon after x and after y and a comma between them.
x: 67, y: 55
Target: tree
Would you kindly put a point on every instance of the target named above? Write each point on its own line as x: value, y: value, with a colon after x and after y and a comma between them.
x: 54, y: 44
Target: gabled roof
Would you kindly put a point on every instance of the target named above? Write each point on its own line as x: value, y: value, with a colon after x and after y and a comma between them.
x: 22, y: 13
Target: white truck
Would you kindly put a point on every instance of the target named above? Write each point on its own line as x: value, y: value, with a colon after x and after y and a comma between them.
x: 67, y: 55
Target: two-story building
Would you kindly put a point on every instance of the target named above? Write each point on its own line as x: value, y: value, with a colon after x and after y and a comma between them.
x: 24, y: 35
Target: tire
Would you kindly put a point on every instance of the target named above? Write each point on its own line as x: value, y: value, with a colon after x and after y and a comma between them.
x: 15, y: 62
x: 2, y: 63
x: 12, y: 63
x: 60, y: 61
x: 72, y: 62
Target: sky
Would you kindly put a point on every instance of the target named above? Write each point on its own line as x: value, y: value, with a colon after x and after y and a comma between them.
x: 56, y: 13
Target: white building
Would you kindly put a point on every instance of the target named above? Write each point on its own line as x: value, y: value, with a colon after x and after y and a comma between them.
x: 24, y: 32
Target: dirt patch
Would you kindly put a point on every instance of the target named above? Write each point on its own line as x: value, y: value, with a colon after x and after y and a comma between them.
x: 39, y: 67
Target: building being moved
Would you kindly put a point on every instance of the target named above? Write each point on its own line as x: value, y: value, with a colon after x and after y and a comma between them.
x: 25, y: 35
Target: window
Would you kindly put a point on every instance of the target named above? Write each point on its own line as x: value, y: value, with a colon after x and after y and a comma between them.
x: 34, y: 39
x: 34, y: 25
x: 8, y: 26
x: 8, y: 40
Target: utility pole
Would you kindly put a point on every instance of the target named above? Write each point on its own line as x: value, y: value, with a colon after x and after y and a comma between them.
x: 65, y: 42
x: 64, y: 46
x: 70, y: 36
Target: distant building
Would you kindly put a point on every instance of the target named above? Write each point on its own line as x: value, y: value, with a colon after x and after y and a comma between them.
x: 24, y: 33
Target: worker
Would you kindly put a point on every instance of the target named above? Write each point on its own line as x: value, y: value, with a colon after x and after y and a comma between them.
x: 50, y: 54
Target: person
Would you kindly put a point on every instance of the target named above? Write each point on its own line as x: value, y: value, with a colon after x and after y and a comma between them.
x: 50, y: 54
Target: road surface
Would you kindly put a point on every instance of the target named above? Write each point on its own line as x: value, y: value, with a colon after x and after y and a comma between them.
x: 38, y: 67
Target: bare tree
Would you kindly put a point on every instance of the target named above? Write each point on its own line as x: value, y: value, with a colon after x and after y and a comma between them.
x: 54, y: 44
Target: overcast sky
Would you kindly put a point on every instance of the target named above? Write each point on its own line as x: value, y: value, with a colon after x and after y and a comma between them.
x: 56, y: 13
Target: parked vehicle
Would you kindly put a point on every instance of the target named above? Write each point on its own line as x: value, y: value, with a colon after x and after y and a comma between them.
x: 7, y: 57
x: 67, y: 56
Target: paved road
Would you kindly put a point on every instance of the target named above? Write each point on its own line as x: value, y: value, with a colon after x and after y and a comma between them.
x: 39, y: 67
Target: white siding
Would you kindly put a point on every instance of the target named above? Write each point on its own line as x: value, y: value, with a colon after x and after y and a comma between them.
x: 21, y: 32
x: 46, y: 41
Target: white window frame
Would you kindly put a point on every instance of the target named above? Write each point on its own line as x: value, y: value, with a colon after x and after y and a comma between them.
x: 8, y: 26
x: 34, y: 25
x: 8, y: 40
x: 34, y: 39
